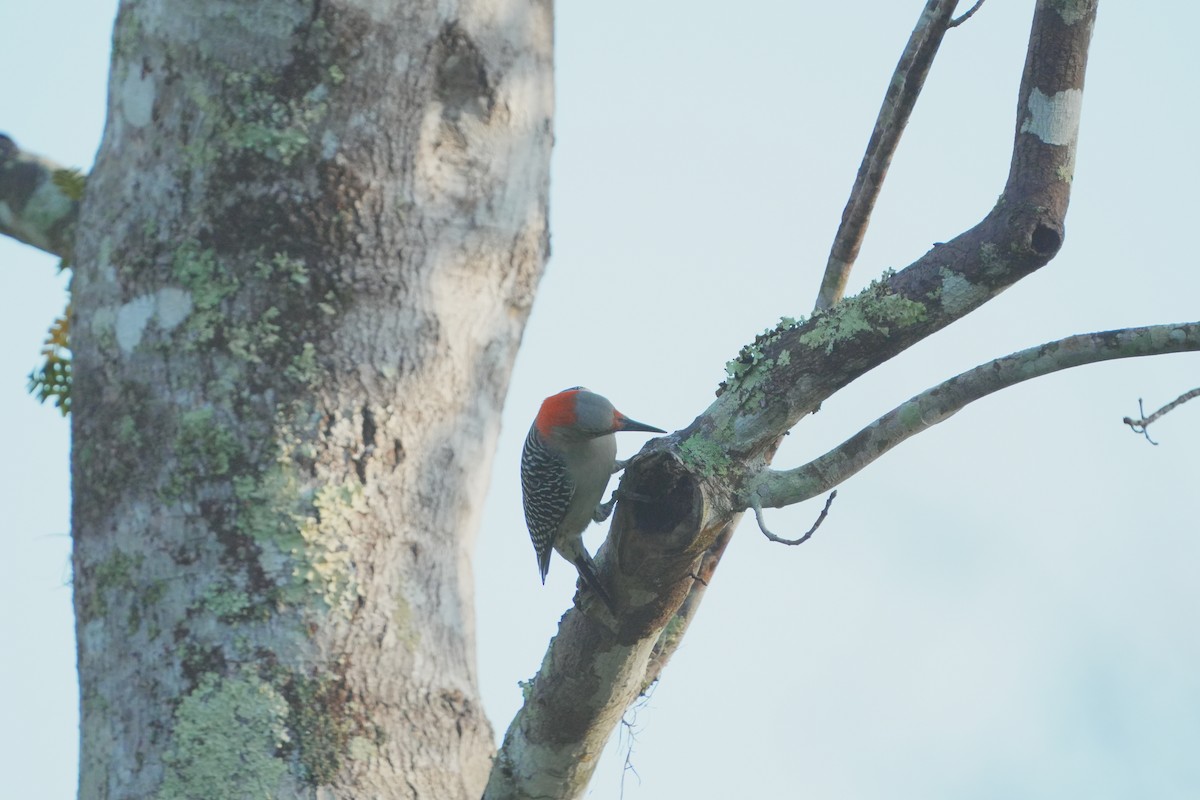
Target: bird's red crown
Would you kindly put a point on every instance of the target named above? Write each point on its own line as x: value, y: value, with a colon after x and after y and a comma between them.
x: 557, y: 410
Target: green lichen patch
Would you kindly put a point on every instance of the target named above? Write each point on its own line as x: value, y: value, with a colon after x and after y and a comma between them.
x: 303, y: 542
x: 228, y: 741
x: 228, y: 603
x: 210, y: 282
x: 303, y: 368
x: 279, y: 266
x: 255, y: 341
x: 205, y: 450
x: 704, y: 456
x: 251, y: 332
x: 876, y: 311
x: 254, y: 114
x: 112, y: 579
x: 751, y: 365
x: 992, y: 259
x: 253, y: 328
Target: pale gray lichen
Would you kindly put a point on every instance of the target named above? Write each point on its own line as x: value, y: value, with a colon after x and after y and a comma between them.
x: 1054, y: 118
x: 1071, y: 11
x: 131, y: 322
x: 959, y: 295
x: 136, y: 95
x: 403, y: 623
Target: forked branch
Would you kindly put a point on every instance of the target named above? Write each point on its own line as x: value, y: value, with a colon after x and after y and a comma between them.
x: 905, y: 86
x: 1140, y: 425
x: 786, y: 487
x: 970, y: 12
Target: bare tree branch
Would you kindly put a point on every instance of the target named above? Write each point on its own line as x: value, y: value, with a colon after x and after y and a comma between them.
x: 39, y: 200
x: 1040, y: 173
x: 1140, y: 425
x: 684, y: 489
x: 782, y: 488
x: 970, y: 13
x: 905, y: 86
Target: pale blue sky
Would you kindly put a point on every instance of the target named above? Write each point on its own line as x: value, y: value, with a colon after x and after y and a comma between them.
x: 1003, y: 607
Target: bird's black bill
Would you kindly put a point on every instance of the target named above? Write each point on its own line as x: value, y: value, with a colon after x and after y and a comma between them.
x: 628, y: 424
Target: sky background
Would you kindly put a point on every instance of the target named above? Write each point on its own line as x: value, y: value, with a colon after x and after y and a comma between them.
x: 1005, y: 606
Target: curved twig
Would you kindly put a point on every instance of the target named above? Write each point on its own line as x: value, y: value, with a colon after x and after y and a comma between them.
x: 954, y: 23
x: 762, y: 525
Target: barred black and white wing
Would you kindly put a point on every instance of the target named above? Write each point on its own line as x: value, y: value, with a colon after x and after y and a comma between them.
x: 546, y: 488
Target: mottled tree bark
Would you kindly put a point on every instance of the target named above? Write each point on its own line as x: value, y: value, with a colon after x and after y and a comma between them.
x: 305, y: 259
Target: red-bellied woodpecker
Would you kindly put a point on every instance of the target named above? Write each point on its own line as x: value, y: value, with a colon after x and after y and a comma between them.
x: 569, y: 455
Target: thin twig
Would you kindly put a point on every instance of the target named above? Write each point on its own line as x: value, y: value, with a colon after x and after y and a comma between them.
x: 903, y: 90
x: 762, y: 525
x: 1140, y: 425
x: 970, y: 13
x: 629, y: 726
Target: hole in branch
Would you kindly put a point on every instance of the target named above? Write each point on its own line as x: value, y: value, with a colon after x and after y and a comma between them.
x: 659, y: 496
x: 1045, y: 240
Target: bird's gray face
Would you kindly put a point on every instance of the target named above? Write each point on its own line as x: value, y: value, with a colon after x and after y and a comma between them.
x: 594, y: 415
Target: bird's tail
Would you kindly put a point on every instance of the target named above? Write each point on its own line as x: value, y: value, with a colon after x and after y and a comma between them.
x: 587, y: 571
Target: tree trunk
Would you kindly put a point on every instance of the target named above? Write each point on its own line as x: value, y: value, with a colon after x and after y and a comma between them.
x: 304, y: 261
